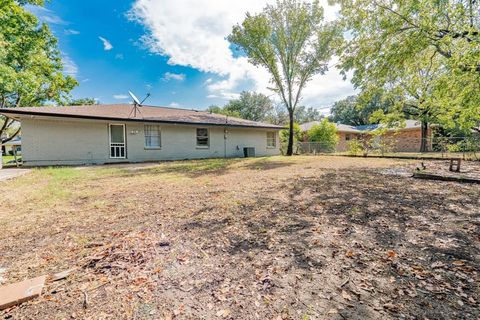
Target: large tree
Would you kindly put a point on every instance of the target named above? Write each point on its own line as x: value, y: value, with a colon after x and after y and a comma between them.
x: 355, y: 112
x: 417, y: 93
x: 30, y: 63
x: 251, y: 106
x: 304, y: 114
x: 389, y: 36
x: 81, y: 102
x: 291, y: 40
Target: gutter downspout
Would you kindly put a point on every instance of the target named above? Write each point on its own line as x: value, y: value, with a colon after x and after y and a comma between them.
x: 225, y: 132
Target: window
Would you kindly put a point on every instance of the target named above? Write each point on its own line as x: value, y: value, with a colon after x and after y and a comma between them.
x: 153, y: 137
x: 271, y: 140
x: 348, y: 137
x: 202, y: 138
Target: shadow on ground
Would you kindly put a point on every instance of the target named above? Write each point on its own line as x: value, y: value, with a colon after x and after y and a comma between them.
x: 214, y: 167
x: 402, y: 248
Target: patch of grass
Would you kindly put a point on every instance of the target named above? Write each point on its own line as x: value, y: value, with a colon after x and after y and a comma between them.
x: 193, y: 166
x: 6, y: 159
x: 60, y: 174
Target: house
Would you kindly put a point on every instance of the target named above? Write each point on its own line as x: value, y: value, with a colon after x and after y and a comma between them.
x: 405, y: 139
x: 9, y: 147
x: 99, y: 134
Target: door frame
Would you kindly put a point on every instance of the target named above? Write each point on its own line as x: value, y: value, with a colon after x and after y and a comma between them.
x: 117, y: 145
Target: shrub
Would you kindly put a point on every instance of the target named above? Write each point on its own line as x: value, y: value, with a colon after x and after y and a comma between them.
x: 325, y: 133
x: 355, y: 148
x: 297, y: 137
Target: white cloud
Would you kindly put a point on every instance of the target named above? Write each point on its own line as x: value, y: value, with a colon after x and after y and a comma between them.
x: 171, y: 23
x: 120, y: 96
x: 70, y: 32
x: 69, y: 66
x: 45, y: 15
x: 174, y: 105
x: 119, y: 56
x: 106, y: 44
x: 173, y: 76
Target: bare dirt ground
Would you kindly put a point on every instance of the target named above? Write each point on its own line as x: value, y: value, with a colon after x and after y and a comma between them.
x: 276, y: 238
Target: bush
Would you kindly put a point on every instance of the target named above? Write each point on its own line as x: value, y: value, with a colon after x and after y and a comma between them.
x: 355, y: 147
x: 325, y: 133
x: 297, y: 137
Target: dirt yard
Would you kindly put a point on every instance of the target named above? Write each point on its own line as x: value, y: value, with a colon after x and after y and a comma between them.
x: 278, y: 238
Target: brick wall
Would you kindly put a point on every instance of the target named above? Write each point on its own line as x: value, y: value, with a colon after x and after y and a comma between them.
x: 404, y: 140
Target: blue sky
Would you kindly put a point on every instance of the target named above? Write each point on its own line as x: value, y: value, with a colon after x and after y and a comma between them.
x: 174, y: 49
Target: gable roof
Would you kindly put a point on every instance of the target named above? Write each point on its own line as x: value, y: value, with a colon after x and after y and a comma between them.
x: 125, y: 112
x: 409, y: 124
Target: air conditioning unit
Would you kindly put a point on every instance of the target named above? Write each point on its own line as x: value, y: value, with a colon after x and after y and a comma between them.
x: 249, y: 152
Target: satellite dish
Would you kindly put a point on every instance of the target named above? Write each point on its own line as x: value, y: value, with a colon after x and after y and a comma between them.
x: 135, y: 99
x: 136, y: 103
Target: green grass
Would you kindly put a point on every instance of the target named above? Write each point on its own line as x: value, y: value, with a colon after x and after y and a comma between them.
x: 5, y: 159
x: 61, y: 183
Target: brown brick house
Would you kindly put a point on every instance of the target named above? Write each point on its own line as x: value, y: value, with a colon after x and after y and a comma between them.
x: 406, y: 139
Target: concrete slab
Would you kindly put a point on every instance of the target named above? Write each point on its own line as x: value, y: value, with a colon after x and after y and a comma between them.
x: 6, y: 174
x: 15, y: 293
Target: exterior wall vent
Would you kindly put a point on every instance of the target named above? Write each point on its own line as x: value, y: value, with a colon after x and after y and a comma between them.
x: 249, y: 152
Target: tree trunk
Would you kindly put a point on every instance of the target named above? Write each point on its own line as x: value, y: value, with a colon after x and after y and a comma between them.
x: 424, y: 143
x: 290, y: 134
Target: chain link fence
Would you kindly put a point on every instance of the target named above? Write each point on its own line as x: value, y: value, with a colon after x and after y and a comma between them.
x: 436, y: 147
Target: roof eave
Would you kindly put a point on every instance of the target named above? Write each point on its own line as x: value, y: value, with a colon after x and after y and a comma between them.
x: 59, y: 115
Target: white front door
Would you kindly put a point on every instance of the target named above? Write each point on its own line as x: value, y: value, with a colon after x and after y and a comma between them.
x: 117, y: 141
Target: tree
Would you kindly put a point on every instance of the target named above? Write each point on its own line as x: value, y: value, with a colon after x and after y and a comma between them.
x: 354, y: 112
x: 278, y: 116
x: 291, y: 40
x: 419, y: 96
x: 297, y: 134
x: 81, y: 102
x: 220, y: 110
x: 387, y: 36
x: 251, y: 106
x: 324, y: 132
x: 303, y: 114
x: 30, y: 63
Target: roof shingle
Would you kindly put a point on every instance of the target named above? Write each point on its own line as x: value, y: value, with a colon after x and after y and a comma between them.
x: 126, y: 112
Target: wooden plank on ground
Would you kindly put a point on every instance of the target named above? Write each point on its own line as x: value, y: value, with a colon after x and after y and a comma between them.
x: 16, y: 293
x: 429, y: 176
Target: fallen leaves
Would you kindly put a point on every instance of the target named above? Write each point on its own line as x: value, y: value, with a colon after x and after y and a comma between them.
x: 270, y: 244
x: 391, y: 254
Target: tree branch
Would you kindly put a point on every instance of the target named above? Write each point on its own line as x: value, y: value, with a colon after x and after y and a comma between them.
x: 13, y: 136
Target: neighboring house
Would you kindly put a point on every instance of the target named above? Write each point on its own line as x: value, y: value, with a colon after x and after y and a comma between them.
x: 100, y: 134
x: 9, y: 147
x: 406, y: 139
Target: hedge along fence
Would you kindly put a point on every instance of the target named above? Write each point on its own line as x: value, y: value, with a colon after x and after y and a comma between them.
x: 437, y: 147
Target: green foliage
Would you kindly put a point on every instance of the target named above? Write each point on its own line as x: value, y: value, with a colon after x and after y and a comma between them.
x: 278, y: 116
x: 354, y: 112
x: 355, y: 147
x: 290, y: 40
x: 425, y: 54
x: 297, y: 134
x: 324, y: 132
x: 220, y: 110
x: 30, y: 62
x: 81, y: 102
x: 251, y: 106
x: 303, y: 114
